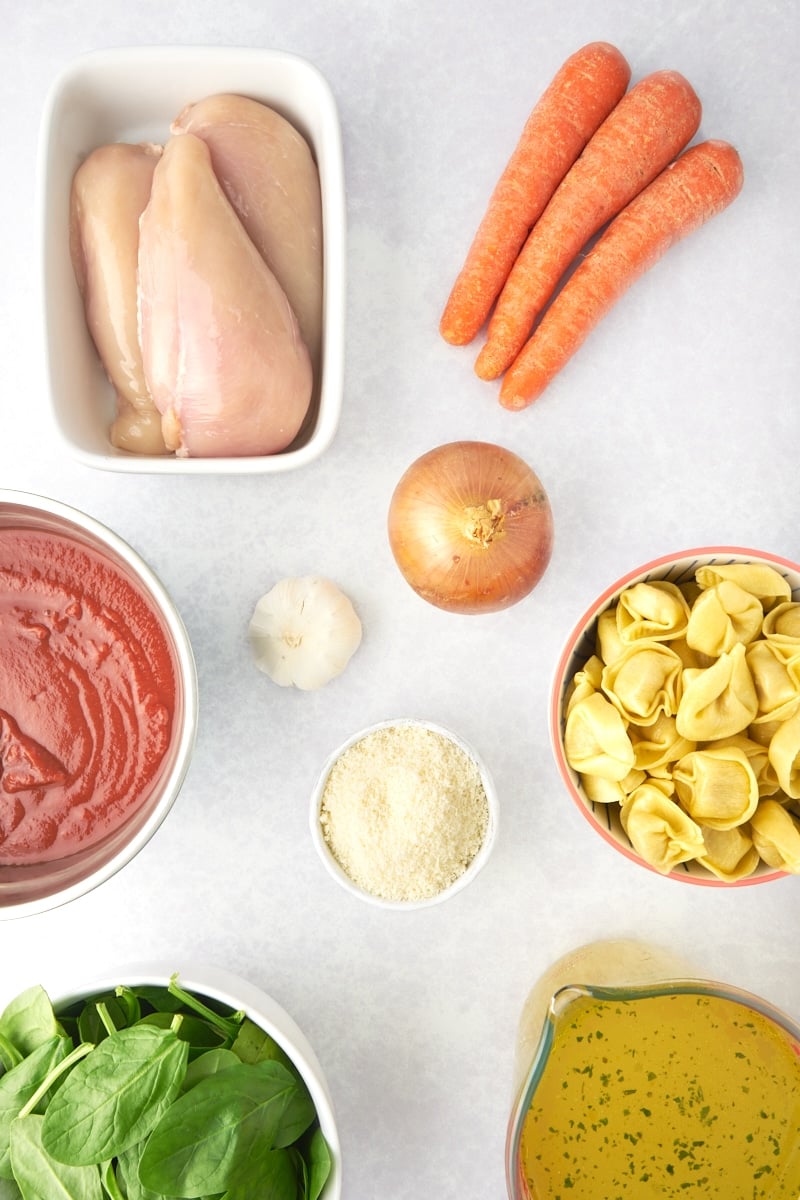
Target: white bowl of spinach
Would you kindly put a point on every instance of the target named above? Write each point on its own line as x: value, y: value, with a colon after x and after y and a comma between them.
x: 147, y: 1085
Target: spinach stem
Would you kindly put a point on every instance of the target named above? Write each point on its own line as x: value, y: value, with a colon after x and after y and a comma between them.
x: 105, y: 1017
x: 79, y: 1052
x: 228, y: 1026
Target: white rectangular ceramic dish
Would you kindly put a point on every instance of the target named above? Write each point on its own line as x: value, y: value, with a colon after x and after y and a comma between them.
x: 132, y: 95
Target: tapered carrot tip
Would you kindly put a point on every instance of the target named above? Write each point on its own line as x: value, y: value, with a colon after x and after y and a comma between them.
x: 490, y: 363
x: 511, y: 397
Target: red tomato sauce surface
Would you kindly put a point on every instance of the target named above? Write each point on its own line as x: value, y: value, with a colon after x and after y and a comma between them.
x: 87, y: 696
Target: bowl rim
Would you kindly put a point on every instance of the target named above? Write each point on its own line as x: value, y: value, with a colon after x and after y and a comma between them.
x: 466, y: 877
x: 329, y: 155
x: 227, y: 987
x: 559, y: 682
x: 186, y: 670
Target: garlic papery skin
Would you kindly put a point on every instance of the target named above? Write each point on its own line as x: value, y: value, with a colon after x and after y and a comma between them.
x: 304, y: 632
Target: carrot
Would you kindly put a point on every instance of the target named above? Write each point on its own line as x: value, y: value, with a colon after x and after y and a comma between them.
x: 580, y: 97
x: 697, y: 186
x: 649, y: 126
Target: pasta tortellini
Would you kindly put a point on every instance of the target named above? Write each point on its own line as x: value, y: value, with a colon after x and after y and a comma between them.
x: 609, y: 643
x: 777, y: 686
x: 782, y: 629
x: 595, y: 739
x: 659, y: 830
x: 611, y: 791
x: 719, y: 700
x: 652, y: 610
x: 784, y: 755
x: 722, y: 616
x: 658, y: 745
x: 644, y: 682
x: 761, y: 580
x: 729, y: 853
x: 758, y: 757
x: 686, y: 720
x: 776, y: 836
x: 585, y: 682
x: 717, y: 786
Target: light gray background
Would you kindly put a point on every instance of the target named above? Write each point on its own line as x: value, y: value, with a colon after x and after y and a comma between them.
x: 676, y: 425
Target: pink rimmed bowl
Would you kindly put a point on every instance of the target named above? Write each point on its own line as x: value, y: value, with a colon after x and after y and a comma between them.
x: 580, y: 645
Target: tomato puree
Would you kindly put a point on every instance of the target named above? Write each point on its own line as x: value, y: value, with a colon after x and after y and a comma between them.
x: 87, y: 695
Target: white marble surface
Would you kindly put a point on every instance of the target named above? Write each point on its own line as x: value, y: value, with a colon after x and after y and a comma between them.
x: 676, y: 425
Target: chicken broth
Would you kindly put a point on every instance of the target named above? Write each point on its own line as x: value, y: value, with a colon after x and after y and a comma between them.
x: 667, y: 1095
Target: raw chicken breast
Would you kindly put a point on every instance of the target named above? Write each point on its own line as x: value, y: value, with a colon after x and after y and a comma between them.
x: 269, y: 175
x: 222, y: 351
x: 109, y: 192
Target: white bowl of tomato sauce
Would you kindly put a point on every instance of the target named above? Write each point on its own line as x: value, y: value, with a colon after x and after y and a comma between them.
x: 98, y: 708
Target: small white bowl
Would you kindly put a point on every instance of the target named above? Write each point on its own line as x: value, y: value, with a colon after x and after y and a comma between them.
x: 132, y: 94
x: 341, y: 876
x: 676, y: 568
x: 216, y: 984
x: 27, y: 889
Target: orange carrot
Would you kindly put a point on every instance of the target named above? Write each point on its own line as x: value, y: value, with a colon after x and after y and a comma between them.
x: 580, y: 97
x: 697, y: 186
x: 650, y: 125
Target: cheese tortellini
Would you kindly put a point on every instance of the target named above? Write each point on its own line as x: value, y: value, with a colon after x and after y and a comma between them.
x: 719, y: 700
x: 652, y: 610
x: 717, y: 786
x: 596, y: 740
x: 729, y: 853
x: 659, y: 830
x: 686, y: 720
x: 722, y: 616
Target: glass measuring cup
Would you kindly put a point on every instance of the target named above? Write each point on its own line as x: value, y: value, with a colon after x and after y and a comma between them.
x: 644, y: 1083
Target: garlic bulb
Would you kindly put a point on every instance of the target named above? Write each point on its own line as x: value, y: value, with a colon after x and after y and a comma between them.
x: 304, y: 632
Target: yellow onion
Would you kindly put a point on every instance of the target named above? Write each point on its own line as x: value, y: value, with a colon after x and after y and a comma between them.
x: 470, y: 527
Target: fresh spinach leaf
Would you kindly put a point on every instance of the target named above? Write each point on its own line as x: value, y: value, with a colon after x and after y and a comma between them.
x: 158, y: 998
x: 128, y: 1169
x: 19, y: 1084
x: 275, y: 1177
x: 29, y: 1020
x: 210, y: 1063
x: 318, y: 1157
x: 92, y: 1027
x: 129, y: 1003
x: 226, y: 1123
x: 115, y: 1095
x: 254, y: 1044
x: 39, y: 1175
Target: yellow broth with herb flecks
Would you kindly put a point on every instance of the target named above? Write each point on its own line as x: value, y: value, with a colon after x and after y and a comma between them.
x: 665, y: 1096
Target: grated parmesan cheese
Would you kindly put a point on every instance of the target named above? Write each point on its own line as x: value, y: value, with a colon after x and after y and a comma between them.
x: 404, y: 812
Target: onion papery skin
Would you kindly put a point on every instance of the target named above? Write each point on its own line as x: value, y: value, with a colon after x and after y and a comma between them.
x: 471, y: 527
